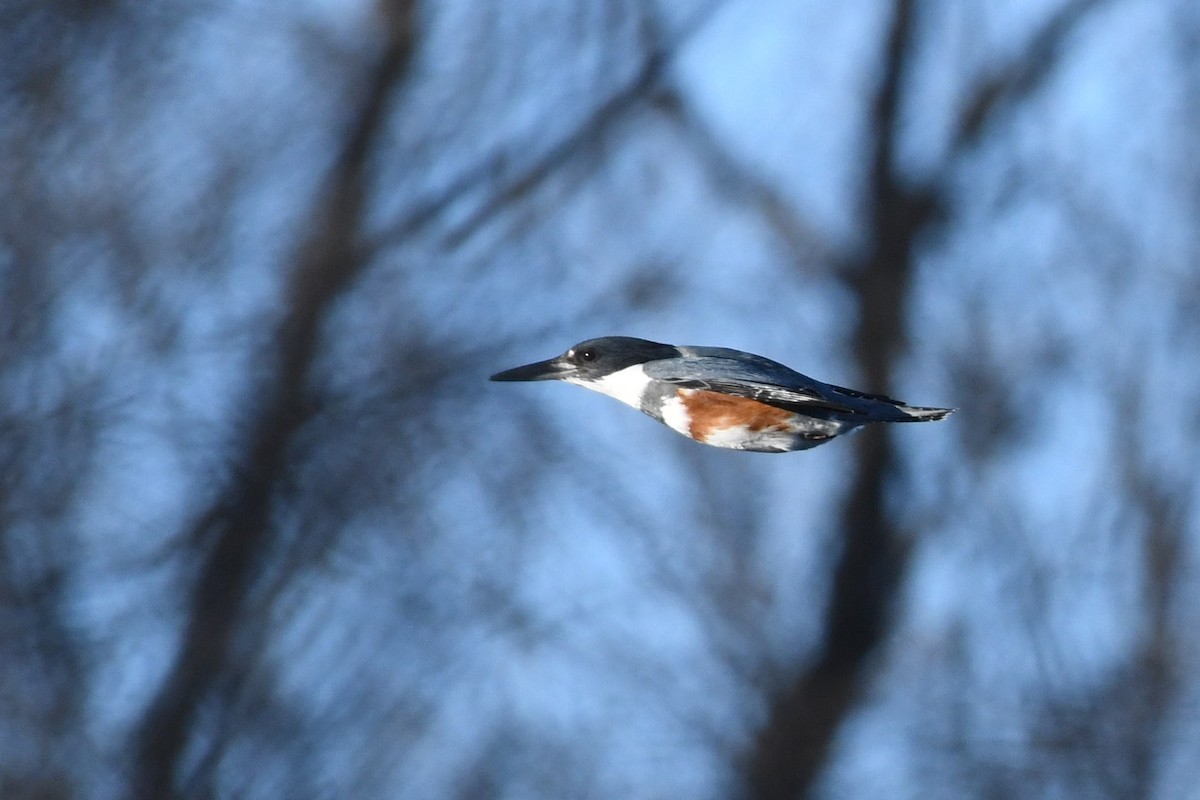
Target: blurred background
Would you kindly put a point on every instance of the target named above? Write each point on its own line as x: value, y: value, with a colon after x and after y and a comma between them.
x: 267, y: 531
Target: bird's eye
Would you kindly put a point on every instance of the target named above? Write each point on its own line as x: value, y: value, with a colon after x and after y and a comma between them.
x: 587, y: 354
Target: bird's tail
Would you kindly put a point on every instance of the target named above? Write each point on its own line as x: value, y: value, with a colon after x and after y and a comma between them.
x: 861, y: 407
x: 920, y: 413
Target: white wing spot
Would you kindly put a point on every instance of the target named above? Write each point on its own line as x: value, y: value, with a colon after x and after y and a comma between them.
x: 676, y: 416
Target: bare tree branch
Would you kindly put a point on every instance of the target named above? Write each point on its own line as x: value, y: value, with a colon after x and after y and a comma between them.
x: 795, y: 745
x: 329, y: 261
x: 659, y: 54
x: 804, y: 244
x: 1000, y: 93
x: 1156, y: 665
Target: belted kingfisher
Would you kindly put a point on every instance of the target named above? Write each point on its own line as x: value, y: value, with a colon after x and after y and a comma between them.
x: 719, y: 396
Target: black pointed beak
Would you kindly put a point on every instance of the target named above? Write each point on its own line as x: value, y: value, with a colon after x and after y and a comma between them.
x: 553, y: 369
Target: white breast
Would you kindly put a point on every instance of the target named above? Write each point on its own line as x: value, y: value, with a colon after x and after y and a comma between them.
x: 626, y: 385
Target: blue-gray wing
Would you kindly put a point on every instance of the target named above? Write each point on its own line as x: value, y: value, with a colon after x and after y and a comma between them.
x: 758, y: 379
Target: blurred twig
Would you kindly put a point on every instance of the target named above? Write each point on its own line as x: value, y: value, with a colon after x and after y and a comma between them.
x: 996, y: 96
x: 740, y: 185
x: 660, y: 49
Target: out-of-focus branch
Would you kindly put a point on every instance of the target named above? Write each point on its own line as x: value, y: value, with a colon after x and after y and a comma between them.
x: 1156, y: 666
x: 1002, y: 91
x: 660, y: 50
x: 739, y: 184
x: 795, y: 744
x: 328, y: 262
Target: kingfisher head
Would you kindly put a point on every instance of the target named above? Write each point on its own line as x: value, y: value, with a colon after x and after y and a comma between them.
x: 610, y: 365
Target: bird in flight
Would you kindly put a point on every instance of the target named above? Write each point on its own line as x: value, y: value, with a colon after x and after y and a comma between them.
x: 719, y: 396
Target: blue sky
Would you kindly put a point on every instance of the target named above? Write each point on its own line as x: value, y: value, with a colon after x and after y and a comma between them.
x: 530, y: 588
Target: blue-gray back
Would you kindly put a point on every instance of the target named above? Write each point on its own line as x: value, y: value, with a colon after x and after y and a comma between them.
x: 747, y: 375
